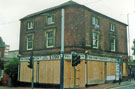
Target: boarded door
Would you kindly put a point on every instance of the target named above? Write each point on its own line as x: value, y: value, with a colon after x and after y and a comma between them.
x: 111, y: 71
x: 95, y: 72
x: 69, y: 75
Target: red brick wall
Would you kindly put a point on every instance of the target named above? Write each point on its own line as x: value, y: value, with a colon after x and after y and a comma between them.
x: 77, y: 27
x: 5, y: 79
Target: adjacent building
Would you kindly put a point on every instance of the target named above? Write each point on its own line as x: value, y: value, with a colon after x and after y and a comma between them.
x: 2, y: 48
x: 101, y: 41
x: 6, y: 50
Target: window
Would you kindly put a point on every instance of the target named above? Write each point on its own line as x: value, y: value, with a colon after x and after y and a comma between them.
x: 30, y: 25
x: 1, y: 73
x: 113, y: 43
x: 112, y: 27
x: 30, y: 41
x: 50, y: 38
x: 95, y: 41
x: 95, y: 21
x: 51, y: 19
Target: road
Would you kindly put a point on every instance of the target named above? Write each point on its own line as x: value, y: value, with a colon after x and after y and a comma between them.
x: 131, y: 86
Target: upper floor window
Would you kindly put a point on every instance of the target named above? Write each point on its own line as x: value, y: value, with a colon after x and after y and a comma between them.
x: 95, y: 40
x: 50, y: 38
x: 51, y: 19
x: 112, y: 27
x: 30, y: 25
x: 30, y: 38
x: 113, y: 44
x: 95, y: 21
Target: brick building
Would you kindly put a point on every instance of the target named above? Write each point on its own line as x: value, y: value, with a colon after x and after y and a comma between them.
x: 3, y: 53
x: 100, y: 40
x: 2, y: 48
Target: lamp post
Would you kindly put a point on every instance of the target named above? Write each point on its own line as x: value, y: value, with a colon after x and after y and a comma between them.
x: 62, y: 51
x: 86, y: 53
x: 128, y: 35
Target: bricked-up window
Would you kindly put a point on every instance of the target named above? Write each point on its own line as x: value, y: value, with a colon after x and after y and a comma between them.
x: 30, y: 38
x: 51, y: 19
x: 113, y: 44
x: 50, y: 38
x: 95, y: 40
x: 112, y: 27
x: 1, y: 73
x: 30, y: 25
x: 95, y: 21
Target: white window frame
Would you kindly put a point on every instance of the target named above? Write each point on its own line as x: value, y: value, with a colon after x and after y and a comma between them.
x: 30, y: 25
x: 95, y: 21
x: 113, y: 44
x: 112, y: 27
x: 51, y: 19
x: 46, y: 35
x: 95, y: 40
x: 30, y: 41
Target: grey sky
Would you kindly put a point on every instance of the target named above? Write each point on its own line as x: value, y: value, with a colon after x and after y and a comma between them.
x: 12, y: 10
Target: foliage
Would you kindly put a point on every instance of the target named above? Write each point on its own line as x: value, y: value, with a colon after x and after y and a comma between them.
x: 11, y: 67
x: 133, y: 48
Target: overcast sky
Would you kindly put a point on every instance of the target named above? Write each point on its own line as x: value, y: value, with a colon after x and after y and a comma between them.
x: 12, y: 10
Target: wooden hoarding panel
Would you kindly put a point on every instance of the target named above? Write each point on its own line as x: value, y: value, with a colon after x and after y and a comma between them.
x: 80, y: 74
x: 111, y: 70
x: 26, y: 72
x: 49, y: 72
x: 69, y: 74
x: 125, y: 73
x: 95, y: 72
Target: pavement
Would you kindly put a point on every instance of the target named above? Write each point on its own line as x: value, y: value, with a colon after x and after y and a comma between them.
x: 101, y: 86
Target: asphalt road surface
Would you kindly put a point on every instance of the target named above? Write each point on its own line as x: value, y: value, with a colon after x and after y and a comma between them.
x: 131, y: 86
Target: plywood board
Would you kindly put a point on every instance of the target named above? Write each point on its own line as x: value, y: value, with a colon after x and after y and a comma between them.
x: 49, y: 72
x: 69, y: 74
x: 125, y: 71
x: 95, y: 72
x: 26, y: 72
x: 111, y: 70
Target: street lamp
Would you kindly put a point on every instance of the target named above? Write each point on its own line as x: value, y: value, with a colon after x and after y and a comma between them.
x: 86, y: 53
x: 128, y: 35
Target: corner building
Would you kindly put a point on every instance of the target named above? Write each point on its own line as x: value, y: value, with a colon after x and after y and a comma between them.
x: 100, y: 40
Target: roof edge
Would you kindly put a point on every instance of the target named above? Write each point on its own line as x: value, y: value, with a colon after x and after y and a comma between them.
x: 71, y: 4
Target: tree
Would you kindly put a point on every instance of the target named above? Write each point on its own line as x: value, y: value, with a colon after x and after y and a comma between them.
x: 11, y: 68
x: 133, y: 48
